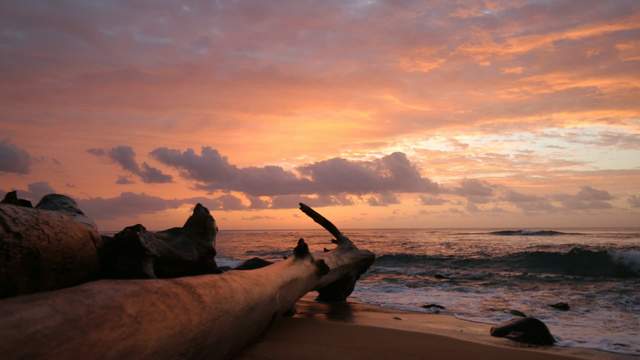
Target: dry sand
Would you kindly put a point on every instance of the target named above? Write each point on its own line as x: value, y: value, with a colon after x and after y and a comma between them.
x: 357, y: 331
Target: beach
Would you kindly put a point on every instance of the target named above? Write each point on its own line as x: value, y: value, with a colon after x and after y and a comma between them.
x: 350, y: 179
x: 484, y: 277
x: 358, y: 331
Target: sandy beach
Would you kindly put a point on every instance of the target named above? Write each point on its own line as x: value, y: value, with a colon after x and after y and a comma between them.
x: 359, y: 331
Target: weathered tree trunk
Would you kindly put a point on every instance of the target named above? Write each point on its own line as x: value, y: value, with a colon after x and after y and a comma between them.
x: 338, y: 285
x: 208, y: 316
x: 44, y: 250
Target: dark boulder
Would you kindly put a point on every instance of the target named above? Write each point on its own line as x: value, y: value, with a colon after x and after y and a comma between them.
x: 527, y: 330
x: 433, y: 307
x: 528, y: 233
x: 136, y: 252
x: 562, y: 306
x: 65, y: 205
x: 11, y: 198
x: 59, y: 202
x: 253, y: 263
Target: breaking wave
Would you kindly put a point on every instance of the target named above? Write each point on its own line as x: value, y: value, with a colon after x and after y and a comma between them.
x: 578, y: 261
x: 530, y: 233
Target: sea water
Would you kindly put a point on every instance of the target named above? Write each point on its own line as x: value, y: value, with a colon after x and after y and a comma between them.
x: 482, y: 275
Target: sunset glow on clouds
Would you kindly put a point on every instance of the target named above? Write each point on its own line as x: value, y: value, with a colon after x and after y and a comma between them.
x: 392, y: 113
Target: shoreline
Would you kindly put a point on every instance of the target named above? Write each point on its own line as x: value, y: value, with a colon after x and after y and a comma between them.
x: 354, y: 330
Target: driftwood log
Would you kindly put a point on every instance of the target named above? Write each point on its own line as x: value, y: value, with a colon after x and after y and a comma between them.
x: 338, y: 285
x: 207, y: 316
x: 46, y: 248
x: 55, y: 245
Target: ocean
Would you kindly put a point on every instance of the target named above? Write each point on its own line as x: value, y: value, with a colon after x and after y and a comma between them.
x: 484, y: 275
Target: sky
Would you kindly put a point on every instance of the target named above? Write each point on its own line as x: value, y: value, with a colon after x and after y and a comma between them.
x: 385, y: 114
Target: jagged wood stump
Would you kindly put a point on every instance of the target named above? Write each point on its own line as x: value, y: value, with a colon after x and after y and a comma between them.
x: 338, y: 285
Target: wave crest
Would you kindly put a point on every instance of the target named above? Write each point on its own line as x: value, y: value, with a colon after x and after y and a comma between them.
x: 578, y: 261
x: 530, y: 233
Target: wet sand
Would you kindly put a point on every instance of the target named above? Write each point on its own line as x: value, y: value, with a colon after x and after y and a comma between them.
x: 358, y: 331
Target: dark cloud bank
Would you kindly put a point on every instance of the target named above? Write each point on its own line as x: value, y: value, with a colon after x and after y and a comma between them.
x: 125, y: 157
x: 333, y: 182
x: 14, y: 159
x: 130, y: 204
x: 212, y: 172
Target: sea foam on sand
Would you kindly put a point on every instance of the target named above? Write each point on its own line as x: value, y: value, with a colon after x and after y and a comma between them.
x: 358, y: 331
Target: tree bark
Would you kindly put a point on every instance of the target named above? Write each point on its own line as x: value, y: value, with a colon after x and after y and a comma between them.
x: 208, y: 316
x: 44, y: 250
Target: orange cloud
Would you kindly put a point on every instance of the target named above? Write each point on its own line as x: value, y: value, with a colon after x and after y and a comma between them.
x: 464, y: 90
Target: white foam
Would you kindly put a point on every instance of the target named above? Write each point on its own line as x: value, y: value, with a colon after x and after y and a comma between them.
x: 226, y: 261
x: 629, y: 258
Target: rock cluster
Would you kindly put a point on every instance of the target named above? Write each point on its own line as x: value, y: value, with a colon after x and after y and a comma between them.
x: 136, y: 252
x: 11, y: 198
x: 55, y: 245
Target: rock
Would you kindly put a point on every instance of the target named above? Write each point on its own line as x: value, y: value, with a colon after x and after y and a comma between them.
x: 58, y: 202
x: 397, y: 318
x: 253, y: 263
x: 528, y: 233
x: 43, y: 250
x: 64, y: 204
x: 562, y: 306
x: 135, y: 252
x: 11, y: 198
x: 441, y: 277
x: 433, y: 306
x: 527, y: 330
